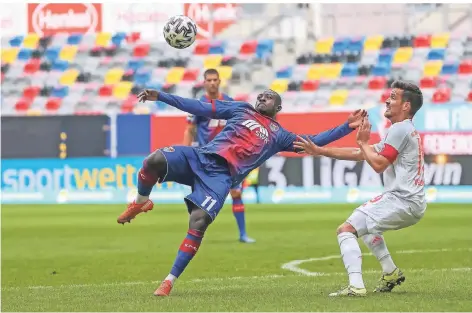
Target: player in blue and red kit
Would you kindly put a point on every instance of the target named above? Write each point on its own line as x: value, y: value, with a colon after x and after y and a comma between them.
x: 250, y: 137
x: 204, y: 129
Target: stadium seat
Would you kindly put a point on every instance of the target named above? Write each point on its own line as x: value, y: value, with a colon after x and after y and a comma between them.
x: 113, y: 76
x: 122, y: 90
x: 128, y: 104
x: 264, y: 48
x: 402, y: 55
x: 338, y: 97
x: 428, y: 82
x: 349, y: 70
x: 244, y: 97
x: 440, y: 41
x: 32, y: 66
x: 217, y: 47
x: 60, y: 92
x: 118, y: 38
x: 190, y: 75
x: 332, y: 71
x: 377, y: 83
x: 52, y: 53
x: 135, y: 64
x: 212, y: 61
x: 385, y: 56
x: 102, y: 39
x: 294, y: 85
x: 31, y: 92
x: 381, y: 69
x: 202, y: 47
x: 31, y: 41
x: 9, y: 55
x: 68, y: 53
x: 310, y: 85
x: 279, y: 85
x: 356, y: 44
x: 385, y: 95
x: 23, y: 104
x: 449, y: 68
x: 436, y: 54
x: 105, y: 91
x: 248, y: 47
x: 324, y: 45
x: 174, y: 76
x: 53, y: 104
x: 340, y: 45
x: 74, y: 39
x: 142, y: 76
x: 441, y: 95
x: 133, y: 37
x: 225, y: 72
x: 16, y: 41
x: 69, y: 77
x: 315, y: 72
x: 432, y: 68
x: 24, y: 54
x: 141, y: 50
x: 422, y: 41
x: 373, y: 43
x: 285, y: 72
x: 465, y: 67
x: 469, y: 96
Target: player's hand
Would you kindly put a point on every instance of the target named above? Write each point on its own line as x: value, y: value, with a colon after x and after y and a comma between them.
x: 147, y: 94
x: 355, y: 118
x: 363, y: 133
x: 306, y: 146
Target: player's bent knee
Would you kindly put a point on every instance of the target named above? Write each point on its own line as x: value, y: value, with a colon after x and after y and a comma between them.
x: 157, y: 161
x: 235, y: 193
x: 346, y: 228
x: 199, y: 220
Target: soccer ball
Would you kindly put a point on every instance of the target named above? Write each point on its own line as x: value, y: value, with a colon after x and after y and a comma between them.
x: 180, y: 31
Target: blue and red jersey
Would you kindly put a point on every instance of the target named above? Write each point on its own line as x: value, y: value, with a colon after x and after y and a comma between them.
x: 249, y: 138
x: 207, y: 128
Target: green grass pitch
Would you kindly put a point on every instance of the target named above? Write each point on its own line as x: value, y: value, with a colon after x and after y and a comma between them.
x: 77, y: 258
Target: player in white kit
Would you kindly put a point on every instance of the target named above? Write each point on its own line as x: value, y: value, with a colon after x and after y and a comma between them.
x: 399, y: 156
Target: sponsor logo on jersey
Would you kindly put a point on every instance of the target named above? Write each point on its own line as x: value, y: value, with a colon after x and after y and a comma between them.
x: 260, y: 130
x: 169, y: 149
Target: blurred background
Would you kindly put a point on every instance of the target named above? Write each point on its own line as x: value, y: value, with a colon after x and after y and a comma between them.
x: 73, y: 132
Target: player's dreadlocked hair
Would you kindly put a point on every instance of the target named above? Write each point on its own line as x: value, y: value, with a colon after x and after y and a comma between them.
x: 210, y: 71
x: 411, y: 93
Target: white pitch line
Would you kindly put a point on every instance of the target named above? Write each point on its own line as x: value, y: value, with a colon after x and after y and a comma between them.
x: 293, y: 266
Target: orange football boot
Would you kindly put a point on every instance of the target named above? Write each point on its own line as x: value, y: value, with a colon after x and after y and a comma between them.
x: 164, y: 289
x: 133, y: 210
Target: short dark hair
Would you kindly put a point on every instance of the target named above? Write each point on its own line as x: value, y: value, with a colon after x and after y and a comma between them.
x: 211, y: 71
x: 411, y: 93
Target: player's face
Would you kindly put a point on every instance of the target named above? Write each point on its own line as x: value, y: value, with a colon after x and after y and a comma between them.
x: 394, y: 104
x: 212, y: 84
x: 265, y: 103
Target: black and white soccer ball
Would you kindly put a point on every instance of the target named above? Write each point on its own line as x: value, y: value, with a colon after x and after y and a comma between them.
x: 180, y: 31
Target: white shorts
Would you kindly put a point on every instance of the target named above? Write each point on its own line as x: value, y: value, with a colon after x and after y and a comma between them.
x: 383, y: 213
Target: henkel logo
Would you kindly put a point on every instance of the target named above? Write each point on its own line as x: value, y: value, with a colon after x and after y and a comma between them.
x: 211, y: 19
x: 52, y: 18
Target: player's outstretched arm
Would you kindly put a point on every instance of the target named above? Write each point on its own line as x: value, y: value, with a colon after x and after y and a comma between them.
x: 378, y: 161
x: 307, y: 146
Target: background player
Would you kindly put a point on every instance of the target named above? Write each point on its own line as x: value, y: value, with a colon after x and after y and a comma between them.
x: 204, y: 129
x: 400, y: 157
x: 250, y: 137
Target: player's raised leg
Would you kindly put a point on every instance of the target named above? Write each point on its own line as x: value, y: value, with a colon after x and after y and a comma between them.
x: 239, y: 214
x: 154, y: 169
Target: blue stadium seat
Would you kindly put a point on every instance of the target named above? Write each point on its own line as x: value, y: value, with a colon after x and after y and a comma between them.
x: 341, y: 45
x: 285, y: 72
x: 449, y: 68
x: 381, y: 69
x: 264, y: 47
x: 60, y: 65
x: 142, y: 76
x: 436, y: 54
x: 349, y: 70
x: 356, y: 44
x: 385, y: 56
x: 135, y: 64
x: 217, y: 47
x: 153, y: 85
x: 24, y: 54
x: 60, y: 91
x: 52, y: 53
x: 16, y: 41
x: 74, y: 39
x: 118, y: 38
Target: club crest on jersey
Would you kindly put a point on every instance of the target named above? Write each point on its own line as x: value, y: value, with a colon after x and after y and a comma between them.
x: 260, y: 130
x: 169, y: 149
x: 274, y: 127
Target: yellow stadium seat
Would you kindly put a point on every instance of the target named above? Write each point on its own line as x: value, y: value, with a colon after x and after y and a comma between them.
x: 141, y: 110
x: 9, y: 55
x: 432, y: 68
x: 402, y: 55
x: 224, y: 83
x: 113, y: 76
x: 332, y: 70
x: 338, y: 97
x: 324, y: 45
x: 68, y: 53
x: 33, y: 112
x: 212, y: 61
x: 373, y: 43
x: 122, y: 90
x: 102, y: 39
x: 225, y: 72
x: 31, y: 41
x: 69, y: 77
x: 315, y: 72
x: 174, y: 76
x: 440, y: 40
x: 279, y: 85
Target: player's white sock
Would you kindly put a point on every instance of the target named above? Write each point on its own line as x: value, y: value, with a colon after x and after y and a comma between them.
x: 141, y: 199
x: 171, y: 277
x: 352, y: 258
x: 376, y: 244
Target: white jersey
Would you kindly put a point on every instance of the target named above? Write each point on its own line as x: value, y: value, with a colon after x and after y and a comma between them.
x: 404, y: 177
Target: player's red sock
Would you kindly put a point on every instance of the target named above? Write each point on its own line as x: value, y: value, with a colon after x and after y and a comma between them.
x: 187, y: 251
x: 238, y: 212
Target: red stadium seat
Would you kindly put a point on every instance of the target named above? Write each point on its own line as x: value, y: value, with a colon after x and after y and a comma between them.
x: 190, y: 74
x: 242, y: 97
x: 133, y: 37
x: 202, y: 47
x: 310, y: 85
x: 128, y: 105
x: 31, y: 92
x: 377, y: 83
x: 469, y: 96
x: 385, y: 95
x: 53, y: 104
x: 428, y: 82
x: 422, y: 41
x: 23, y: 104
x: 442, y: 95
x: 32, y: 66
x: 249, y: 47
x: 141, y: 50
x: 105, y: 91
x: 465, y: 67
